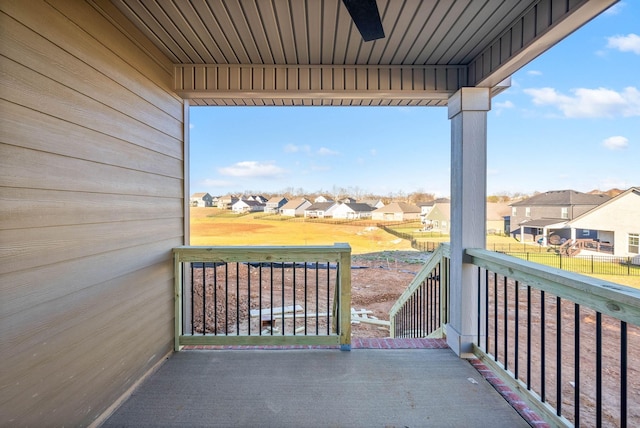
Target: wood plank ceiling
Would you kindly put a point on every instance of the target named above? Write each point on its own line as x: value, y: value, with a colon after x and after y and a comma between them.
x: 239, y: 52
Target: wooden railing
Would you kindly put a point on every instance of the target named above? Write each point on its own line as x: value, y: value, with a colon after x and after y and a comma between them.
x: 422, y: 309
x: 297, y: 295
x: 567, y: 343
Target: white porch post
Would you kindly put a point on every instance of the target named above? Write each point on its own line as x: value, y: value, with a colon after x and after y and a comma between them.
x: 468, y: 114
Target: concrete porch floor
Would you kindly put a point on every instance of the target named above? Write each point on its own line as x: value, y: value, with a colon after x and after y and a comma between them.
x: 316, y: 388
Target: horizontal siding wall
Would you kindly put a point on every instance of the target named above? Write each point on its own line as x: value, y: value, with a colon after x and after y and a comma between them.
x: 91, y: 204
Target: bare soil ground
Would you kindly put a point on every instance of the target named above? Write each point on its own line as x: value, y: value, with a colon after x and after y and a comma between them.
x: 377, y: 287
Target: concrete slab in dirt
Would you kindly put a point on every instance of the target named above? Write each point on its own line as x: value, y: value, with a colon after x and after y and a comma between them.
x: 316, y: 388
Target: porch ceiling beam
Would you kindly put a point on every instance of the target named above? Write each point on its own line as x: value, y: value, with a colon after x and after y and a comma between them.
x: 542, y: 26
x: 224, y: 81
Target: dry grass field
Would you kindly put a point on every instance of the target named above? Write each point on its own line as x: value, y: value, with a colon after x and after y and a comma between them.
x: 210, y: 228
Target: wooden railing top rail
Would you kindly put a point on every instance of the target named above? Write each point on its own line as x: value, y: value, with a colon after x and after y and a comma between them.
x: 320, y: 253
x: 444, y: 250
x: 606, y: 297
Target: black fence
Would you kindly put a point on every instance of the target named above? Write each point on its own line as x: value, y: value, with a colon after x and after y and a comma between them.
x: 260, y: 298
x: 591, y: 264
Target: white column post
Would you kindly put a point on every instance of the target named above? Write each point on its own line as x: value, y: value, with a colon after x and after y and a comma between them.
x: 468, y: 114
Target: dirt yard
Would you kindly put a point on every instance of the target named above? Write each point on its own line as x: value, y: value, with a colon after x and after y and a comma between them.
x: 377, y: 280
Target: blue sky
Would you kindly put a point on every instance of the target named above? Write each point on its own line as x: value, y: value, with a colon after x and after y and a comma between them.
x: 571, y: 120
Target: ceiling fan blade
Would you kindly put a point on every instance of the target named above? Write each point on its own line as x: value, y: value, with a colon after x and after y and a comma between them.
x: 366, y: 17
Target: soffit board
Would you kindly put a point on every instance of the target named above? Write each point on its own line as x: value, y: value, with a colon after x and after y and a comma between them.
x: 478, y: 37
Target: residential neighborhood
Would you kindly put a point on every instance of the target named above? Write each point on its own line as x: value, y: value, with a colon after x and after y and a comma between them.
x: 570, y: 221
x: 579, y: 222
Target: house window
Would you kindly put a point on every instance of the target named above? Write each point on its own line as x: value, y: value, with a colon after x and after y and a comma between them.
x: 514, y: 211
x: 564, y: 213
x: 634, y: 243
x: 527, y: 212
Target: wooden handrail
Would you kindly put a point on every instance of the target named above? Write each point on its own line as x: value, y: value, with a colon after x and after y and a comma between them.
x: 339, y: 253
x: 606, y: 297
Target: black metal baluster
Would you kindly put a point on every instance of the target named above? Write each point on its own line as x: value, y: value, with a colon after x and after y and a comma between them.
x: 558, y: 356
x: 495, y: 316
x: 204, y: 298
x: 260, y: 298
x: 226, y: 298
x: 317, y: 298
x: 328, y: 298
x: 576, y: 365
x: 623, y: 374
x: 598, y: 369
x: 249, y: 298
x: 215, y: 299
x: 192, y: 299
x: 438, y: 297
x: 479, y: 282
x: 486, y: 310
x: 237, y: 299
x: 305, y: 298
x: 528, y: 337
x: 338, y: 318
x: 282, y: 292
x: 543, y: 359
x: 516, y: 331
x: 506, y: 325
x: 412, y: 315
x: 271, y: 298
x: 294, y: 299
x: 183, y: 302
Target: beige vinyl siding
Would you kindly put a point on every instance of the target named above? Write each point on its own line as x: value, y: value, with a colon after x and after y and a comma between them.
x: 91, y: 204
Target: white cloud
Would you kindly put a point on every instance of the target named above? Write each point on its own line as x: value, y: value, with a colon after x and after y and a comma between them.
x: 373, y: 152
x: 323, y: 151
x: 615, y: 9
x: 504, y: 104
x: 628, y: 43
x: 292, y: 148
x: 534, y: 73
x: 584, y: 102
x: 192, y: 125
x: 252, y: 169
x: 616, y: 142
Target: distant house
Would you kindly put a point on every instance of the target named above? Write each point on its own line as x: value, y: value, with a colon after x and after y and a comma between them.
x: 225, y: 202
x: 547, y: 213
x: 375, y: 203
x: 439, y: 218
x: 320, y: 209
x: 201, y: 200
x: 496, y: 213
x: 257, y: 198
x: 614, y: 224
x: 244, y: 206
x: 295, y: 207
x: 352, y: 211
x: 347, y: 200
x: 274, y: 204
x: 426, y: 207
x: 397, y: 211
x: 322, y: 198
